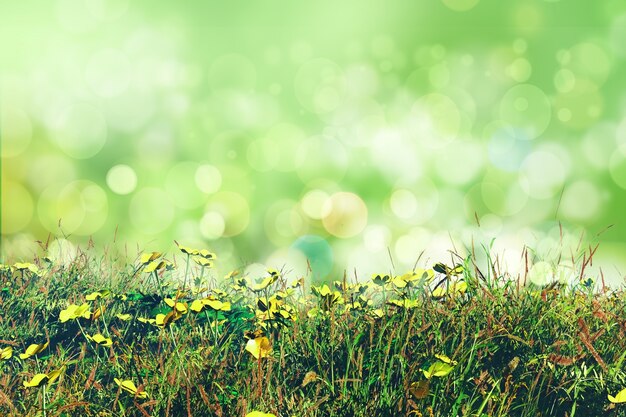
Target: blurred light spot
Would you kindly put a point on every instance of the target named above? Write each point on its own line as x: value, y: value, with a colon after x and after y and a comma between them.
x: 439, y: 75
x: 598, y: 144
x: 180, y: 184
x: 234, y: 209
x: 151, y: 211
x: 542, y: 175
x: 255, y: 271
x: 584, y: 105
x: 95, y: 204
x: 491, y: 224
x: 261, y: 155
x: 617, y: 34
x: 108, y: 73
x: 617, y: 168
x: 460, y: 162
x: 520, y: 70
x: 75, y: 16
x: 320, y: 85
x: 395, y: 155
x: 17, y: 207
x: 232, y: 72
x: 377, y: 238
x: 318, y: 252
x: 361, y: 80
x: 208, y: 178
x: 285, y: 139
x: 62, y: 251
x: 408, y: 247
x: 291, y: 261
x: 344, y: 215
x: 156, y: 146
x: 313, y: 202
x: 437, y: 119
x: 212, y: 225
x: 403, y: 204
x: 50, y: 169
x: 564, y: 114
x: 526, y: 107
x: 507, y: 146
x: 130, y: 110
x: 121, y: 179
x: 460, y: 5
x: 590, y: 61
x: 503, y: 201
x: 107, y: 9
x: 300, y: 51
x: 520, y: 45
x: 427, y: 200
x: 541, y: 273
x: 564, y: 80
x: 321, y: 157
x: 581, y: 201
x: 16, y: 131
x: 80, y: 130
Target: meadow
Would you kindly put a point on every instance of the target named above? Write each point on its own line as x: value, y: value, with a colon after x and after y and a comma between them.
x: 103, y: 336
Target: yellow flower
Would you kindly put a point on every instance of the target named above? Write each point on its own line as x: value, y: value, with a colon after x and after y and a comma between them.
x: 98, y: 294
x: 43, y: 379
x: 73, y: 312
x: 179, y: 307
x: 24, y: 266
x: 123, y: 317
x: 146, y: 258
x: 259, y: 347
x: 130, y: 387
x: 259, y: 414
x: 619, y: 398
x: 265, y: 282
x: 154, y: 266
x: 6, y: 353
x: 202, y: 261
x: 206, y: 254
x: 381, y: 279
x: 186, y: 249
x: 454, y: 288
x: 33, y: 349
x: 100, y: 339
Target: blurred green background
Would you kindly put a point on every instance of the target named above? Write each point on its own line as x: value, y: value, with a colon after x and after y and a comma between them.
x: 340, y: 131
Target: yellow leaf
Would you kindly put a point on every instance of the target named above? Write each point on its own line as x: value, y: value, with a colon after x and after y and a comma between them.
x: 259, y: 414
x: 259, y: 347
x: 100, y: 339
x: 33, y: 350
x: 438, y: 369
x: 197, y: 306
x: 130, y: 387
x: 619, y: 398
x: 23, y: 266
x: 97, y: 294
x: 38, y: 380
x: 6, y: 353
x: 445, y: 359
x: 123, y: 317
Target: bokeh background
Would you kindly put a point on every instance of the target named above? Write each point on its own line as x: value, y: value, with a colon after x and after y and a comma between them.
x: 345, y: 132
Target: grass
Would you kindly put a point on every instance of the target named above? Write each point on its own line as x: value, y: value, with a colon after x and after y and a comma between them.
x: 449, y: 340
